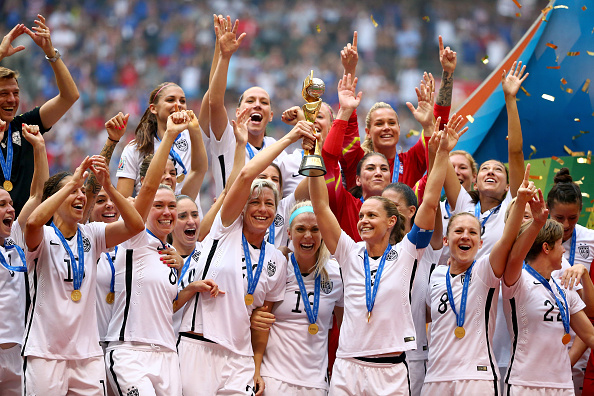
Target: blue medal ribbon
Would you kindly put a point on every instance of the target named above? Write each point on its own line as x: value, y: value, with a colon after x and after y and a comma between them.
x: 563, y: 310
x: 19, y: 268
x: 252, y: 278
x: 312, y: 315
x: 459, y: 317
x: 572, y: 250
x: 248, y: 147
x: 78, y: 268
x: 110, y: 261
x: 163, y: 246
x: 396, y: 171
x: 271, y: 233
x: 175, y: 156
x: 185, y: 267
x: 7, y: 164
x: 447, y: 208
x: 477, y: 214
x: 369, y: 296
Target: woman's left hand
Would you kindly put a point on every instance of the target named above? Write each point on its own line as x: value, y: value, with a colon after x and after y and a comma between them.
x: 171, y: 257
x: 259, y: 385
x: 572, y: 276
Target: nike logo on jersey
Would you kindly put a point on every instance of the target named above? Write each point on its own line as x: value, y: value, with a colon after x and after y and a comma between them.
x: 295, y: 175
x: 54, y: 243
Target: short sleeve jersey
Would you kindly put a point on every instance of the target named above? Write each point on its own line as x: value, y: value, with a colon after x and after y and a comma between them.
x: 281, y: 221
x: 145, y: 289
x: 584, y: 249
x: 470, y: 357
x: 105, y: 273
x: 57, y: 327
x: 290, y: 171
x: 391, y: 327
x: 223, y: 261
x: 539, y: 358
x: 190, y: 275
x: 23, y: 159
x: 292, y: 354
x: 13, y: 290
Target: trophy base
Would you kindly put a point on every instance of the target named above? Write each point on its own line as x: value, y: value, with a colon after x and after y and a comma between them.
x: 312, y: 166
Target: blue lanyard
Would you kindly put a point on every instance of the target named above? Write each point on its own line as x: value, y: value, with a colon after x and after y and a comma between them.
x: 459, y: 317
x: 173, y: 154
x: 78, y: 268
x: 369, y: 296
x: 477, y: 213
x: 20, y: 268
x: 271, y: 233
x: 252, y: 278
x: 572, y: 250
x: 7, y: 164
x: 447, y: 208
x: 185, y: 267
x: 563, y: 310
x: 163, y: 246
x: 312, y: 315
x: 110, y: 261
x: 396, y: 171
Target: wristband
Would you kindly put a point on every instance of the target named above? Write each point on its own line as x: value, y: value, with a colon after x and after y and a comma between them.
x: 55, y: 57
x: 115, y: 141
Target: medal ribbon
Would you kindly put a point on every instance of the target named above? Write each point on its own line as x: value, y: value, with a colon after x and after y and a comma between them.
x: 252, y: 278
x: 185, y: 267
x: 369, y: 296
x: 477, y: 213
x: 396, y: 171
x: 271, y: 232
x: 163, y: 246
x: 563, y: 309
x: 311, y: 315
x: 110, y: 261
x: 20, y: 268
x: 7, y: 164
x: 78, y: 268
x: 459, y: 317
x: 175, y: 156
x: 447, y: 208
x: 572, y: 251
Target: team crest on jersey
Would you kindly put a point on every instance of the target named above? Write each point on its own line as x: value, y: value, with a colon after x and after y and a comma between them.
x: 271, y: 268
x: 133, y: 392
x: 16, y: 138
x: 392, y: 255
x: 86, y: 244
x: 121, y: 164
x: 279, y: 220
x: 196, y: 255
x: 9, y: 242
x: 584, y: 251
x: 327, y: 286
x: 462, y: 278
x: 182, y: 145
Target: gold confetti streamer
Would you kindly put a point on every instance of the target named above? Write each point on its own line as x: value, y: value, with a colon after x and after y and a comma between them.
x: 586, y: 85
x: 375, y: 24
x: 584, y: 8
x: 573, y: 53
x: 590, y: 210
x: 554, y: 67
x: 559, y: 160
x: 411, y: 133
x: 561, y: 6
x: 470, y: 118
x: 585, y: 194
x: 485, y: 59
x: 535, y: 177
x: 582, y: 161
x: 551, y: 45
x: 578, y: 154
x: 548, y: 97
x: 426, y: 18
x: 589, y: 156
x: 556, y: 170
x: 517, y: 3
x: 318, y: 29
x: 591, y: 53
x: 569, y: 90
x: 568, y: 150
x: 579, y: 134
x: 533, y: 151
x: 547, y: 9
x: 524, y: 90
x: 576, y: 119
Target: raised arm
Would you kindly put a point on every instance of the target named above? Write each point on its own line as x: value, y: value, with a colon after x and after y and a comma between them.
x: 228, y: 43
x: 40, y: 172
x: 437, y: 236
x: 240, y: 190
x: 511, y: 83
x: 204, y: 116
x: 448, y: 60
x: 116, y: 128
x: 329, y: 226
x: 426, y: 100
x: 52, y: 110
x: 199, y: 159
x: 350, y: 57
x: 6, y: 48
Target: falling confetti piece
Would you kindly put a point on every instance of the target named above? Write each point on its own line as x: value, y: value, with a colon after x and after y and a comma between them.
x: 318, y: 28
x: 548, y: 97
x: 554, y: 67
x: 375, y: 24
x: 591, y: 53
x: 561, y: 6
x: 573, y: 53
x: 535, y: 177
x: 426, y: 18
x: 518, y: 14
x: 533, y: 151
x: 579, y: 181
x: 559, y: 160
x: 585, y: 194
x: 470, y: 118
x: 411, y: 133
x: 582, y: 161
x: 556, y: 170
x: 569, y: 90
x: 590, y: 210
x: 517, y: 3
x: 576, y: 119
x: 584, y: 8
x: 578, y: 154
x: 546, y: 9
x: 524, y: 90
x: 586, y: 85
x: 563, y: 81
x: 485, y: 59
x: 580, y: 134
x: 551, y: 45
x: 567, y: 150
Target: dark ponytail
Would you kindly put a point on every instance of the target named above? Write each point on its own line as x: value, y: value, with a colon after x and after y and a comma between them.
x: 564, y: 190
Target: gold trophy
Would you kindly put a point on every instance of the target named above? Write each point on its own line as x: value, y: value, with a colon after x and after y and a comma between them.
x: 312, y: 164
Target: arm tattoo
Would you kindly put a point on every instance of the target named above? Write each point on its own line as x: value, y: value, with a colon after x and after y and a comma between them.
x: 444, y: 97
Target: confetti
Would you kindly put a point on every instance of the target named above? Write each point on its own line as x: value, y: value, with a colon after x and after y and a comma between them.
x: 573, y: 53
x: 535, y: 177
x: 584, y: 8
x: 556, y: 170
x: 548, y: 97
x: 412, y: 132
x: 567, y: 150
x: 517, y: 3
x: 579, y: 134
x: 554, y: 67
x: 426, y: 18
x: 318, y: 29
x: 586, y: 85
x: 547, y: 9
x: 582, y: 161
x: 485, y: 59
x: 559, y: 160
x: 585, y: 194
x: 569, y: 90
x: 576, y: 119
x: 518, y: 14
x: 563, y: 81
x: 375, y: 24
x: 561, y: 6
x: 579, y: 181
x: 551, y: 45
x: 590, y: 210
x: 591, y: 53
x: 524, y: 90
x: 470, y: 118
x: 533, y: 151
x: 578, y: 154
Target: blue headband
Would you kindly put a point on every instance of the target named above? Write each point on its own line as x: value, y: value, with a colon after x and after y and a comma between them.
x: 298, y: 211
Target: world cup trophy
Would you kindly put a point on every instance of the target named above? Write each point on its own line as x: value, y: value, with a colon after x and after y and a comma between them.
x: 312, y: 164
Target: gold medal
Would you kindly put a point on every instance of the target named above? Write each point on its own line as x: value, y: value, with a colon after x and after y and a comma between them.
x: 180, y: 178
x: 110, y: 298
x: 249, y: 299
x: 313, y: 329
x: 75, y: 295
x: 7, y: 185
x: 566, y: 338
x: 368, y: 316
x: 460, y: 332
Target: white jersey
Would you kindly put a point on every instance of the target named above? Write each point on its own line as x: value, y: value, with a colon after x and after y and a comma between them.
x: 584, y: 249
x: 418, y: 302
x: 391, y: 327
x: 290, y: 171
x: 539, y: 358
x: 105, y: 274
x: 188, y: 277
x: 223, y: 151
x: 292, y: 354
x: 59, y: 328
x: 281, y: 221
x: 471, y: 357
x: 223, y: 261
x: 145, y: 289
x: 13, y: 290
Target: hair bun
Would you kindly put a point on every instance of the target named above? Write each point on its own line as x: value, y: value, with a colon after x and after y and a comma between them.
x: 563, y: 176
